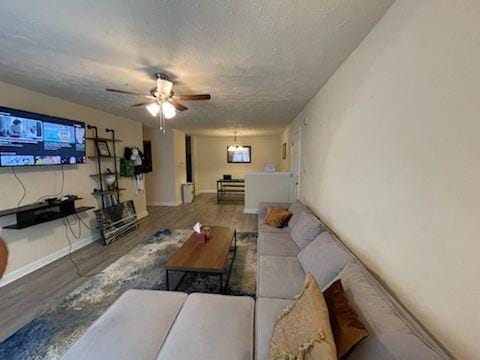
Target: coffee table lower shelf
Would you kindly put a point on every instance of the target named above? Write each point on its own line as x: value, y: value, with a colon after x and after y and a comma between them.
x: 221, y: 273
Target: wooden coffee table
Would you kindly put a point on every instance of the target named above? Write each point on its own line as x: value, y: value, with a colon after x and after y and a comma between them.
x: 209, y: 258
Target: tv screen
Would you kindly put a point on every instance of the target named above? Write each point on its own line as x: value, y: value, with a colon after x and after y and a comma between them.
x: 28, y: 139
x: 239, y: 154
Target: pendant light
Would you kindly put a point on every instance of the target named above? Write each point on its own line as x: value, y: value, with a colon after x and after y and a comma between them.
x: 234, y: 147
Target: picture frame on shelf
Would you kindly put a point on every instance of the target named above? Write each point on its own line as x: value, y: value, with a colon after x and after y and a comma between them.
x: 103, y: 149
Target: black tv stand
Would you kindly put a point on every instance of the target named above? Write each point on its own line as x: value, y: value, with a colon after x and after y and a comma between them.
x: 37, y: 213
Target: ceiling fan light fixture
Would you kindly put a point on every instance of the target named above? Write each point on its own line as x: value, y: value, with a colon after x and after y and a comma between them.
x: 153, y: 109
x: 164, y: 87
x: 168, y: 110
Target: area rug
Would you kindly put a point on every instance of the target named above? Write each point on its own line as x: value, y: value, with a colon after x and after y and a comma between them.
x: 52, y: 333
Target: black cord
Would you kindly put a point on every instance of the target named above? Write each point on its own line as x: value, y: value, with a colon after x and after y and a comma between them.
x: 68, y: 226
x: 61, y: 188
x: 85, y: 224
x: 21, y: 184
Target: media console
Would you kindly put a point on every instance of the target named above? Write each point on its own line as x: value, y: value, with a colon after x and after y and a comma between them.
x: 37, y: 213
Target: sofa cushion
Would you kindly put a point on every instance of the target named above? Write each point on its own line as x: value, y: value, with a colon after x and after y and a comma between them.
x: 266, y: 314
x: 296, y: 209
x: 389, y: 335
x: 303, y: 330
x: 276, y: 244
x: 306, y: 229
x: 134, y: 327
x: 324, y: 257
x: 212, y: 327
x: 279, y: 277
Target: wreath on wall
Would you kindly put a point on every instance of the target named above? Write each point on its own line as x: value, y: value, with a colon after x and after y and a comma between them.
x: 3, y: 257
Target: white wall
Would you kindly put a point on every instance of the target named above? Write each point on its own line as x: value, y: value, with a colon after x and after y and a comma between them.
x: 36, y: 246
x: 390, y: 160
x: 163, y: 184
x: 210, y: 158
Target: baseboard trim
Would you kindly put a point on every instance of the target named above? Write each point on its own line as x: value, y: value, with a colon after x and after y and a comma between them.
x: 250, y: 211
x: 37, y: 264
x: 142, y: 214
x: 164, y: 203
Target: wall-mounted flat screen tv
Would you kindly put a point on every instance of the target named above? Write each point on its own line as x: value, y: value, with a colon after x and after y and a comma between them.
x: 29, y: 139
x: 239, y: 154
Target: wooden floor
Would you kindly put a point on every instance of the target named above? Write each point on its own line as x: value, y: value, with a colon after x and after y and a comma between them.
x: 24, y: 299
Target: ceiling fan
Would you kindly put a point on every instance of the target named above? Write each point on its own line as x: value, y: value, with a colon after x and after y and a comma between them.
x: 162, y: 100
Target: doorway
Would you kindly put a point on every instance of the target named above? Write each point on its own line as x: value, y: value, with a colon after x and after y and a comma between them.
x: 296, y: 151
x: 188, y: 159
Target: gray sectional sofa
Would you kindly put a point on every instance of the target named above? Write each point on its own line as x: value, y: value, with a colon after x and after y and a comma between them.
x: 285, y: 255
x: 162, y: 325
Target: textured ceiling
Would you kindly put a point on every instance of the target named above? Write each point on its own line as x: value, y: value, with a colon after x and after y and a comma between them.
x: 261, y: 60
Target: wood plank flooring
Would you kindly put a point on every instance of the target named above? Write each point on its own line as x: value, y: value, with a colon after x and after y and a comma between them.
x: 24, y: 299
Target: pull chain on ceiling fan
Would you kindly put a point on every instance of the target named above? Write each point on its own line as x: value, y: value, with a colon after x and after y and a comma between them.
x: 162, y: 100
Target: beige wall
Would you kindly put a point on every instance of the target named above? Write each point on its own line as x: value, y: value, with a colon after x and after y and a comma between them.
x: 210, y: 158
x: 163, y: 185
x: 35, y: 246
x: 265, y: 186
x: 390, y: 159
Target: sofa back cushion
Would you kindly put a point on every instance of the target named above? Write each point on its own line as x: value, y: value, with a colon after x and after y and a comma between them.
x: 389, y: 334
x: 324, y: 257
x: 306, y: 229
x: 296, y: 209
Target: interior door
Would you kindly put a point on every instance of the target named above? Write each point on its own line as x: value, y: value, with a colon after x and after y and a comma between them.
x: 296, y: 148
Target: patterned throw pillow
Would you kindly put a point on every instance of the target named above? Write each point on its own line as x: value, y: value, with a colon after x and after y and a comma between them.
x: 277, y: 217
x: 303, y: 330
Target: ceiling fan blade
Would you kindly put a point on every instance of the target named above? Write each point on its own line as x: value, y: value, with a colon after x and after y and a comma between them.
x: 193, y: 97
x: 177, y: 105
x: 144, y: 103
x: 125, y: 92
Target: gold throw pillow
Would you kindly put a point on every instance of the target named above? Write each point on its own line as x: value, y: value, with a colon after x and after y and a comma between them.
x: 277, y: 217
x: 303, y: 330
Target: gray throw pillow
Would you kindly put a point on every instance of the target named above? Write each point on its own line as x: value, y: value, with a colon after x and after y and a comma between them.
x: 306, y: 229
x: 324, y: 257
x: 296, y: 209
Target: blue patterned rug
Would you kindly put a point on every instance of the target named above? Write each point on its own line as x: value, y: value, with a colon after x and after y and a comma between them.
x: 52, y: 333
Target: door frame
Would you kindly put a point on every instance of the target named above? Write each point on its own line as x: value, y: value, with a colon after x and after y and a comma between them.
x: 294, y: 133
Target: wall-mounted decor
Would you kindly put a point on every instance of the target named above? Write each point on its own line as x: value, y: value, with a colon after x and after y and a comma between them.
x: 237, y: 154
x: 102, y: 148
x: 284, y: 150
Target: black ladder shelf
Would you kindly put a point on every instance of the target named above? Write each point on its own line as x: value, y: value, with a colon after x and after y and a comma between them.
x: 100, y: 175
